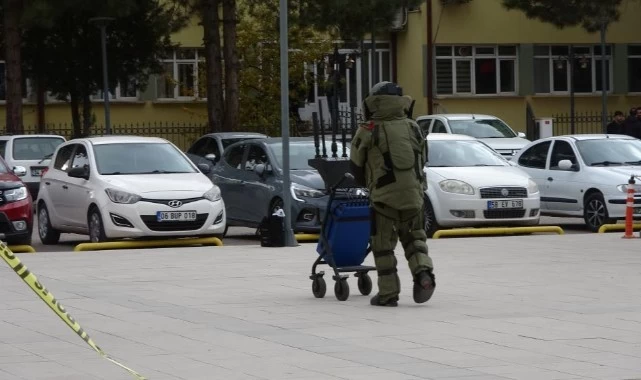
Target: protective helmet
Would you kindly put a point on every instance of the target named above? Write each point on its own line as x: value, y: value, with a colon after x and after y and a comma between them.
x: 386, y: 88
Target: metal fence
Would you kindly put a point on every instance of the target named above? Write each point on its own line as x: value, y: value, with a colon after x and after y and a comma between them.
x: 182, y: 134
x: 584, y: 123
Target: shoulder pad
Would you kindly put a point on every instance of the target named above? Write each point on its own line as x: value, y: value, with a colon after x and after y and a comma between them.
x: 369, y: 126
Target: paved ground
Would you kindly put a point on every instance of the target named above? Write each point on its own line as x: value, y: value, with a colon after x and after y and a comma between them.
x: 527, y: 307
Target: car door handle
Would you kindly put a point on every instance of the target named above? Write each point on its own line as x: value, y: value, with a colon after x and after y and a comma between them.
x: 550, y: 179
x: 65, y: 187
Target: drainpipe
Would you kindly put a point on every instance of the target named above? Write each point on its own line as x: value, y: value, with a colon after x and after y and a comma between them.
x: 430, y: 59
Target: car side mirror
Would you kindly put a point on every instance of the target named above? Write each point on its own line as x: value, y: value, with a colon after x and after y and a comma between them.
x: 565, y: 165
x: 20, y: 171
x: 79, y: 172
x: 204, y: 168
x: 260, y: 169
x: 211, y: 157
x: 521, y: 135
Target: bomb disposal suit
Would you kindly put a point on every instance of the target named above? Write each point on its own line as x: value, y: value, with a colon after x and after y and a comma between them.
x: 387, y: 156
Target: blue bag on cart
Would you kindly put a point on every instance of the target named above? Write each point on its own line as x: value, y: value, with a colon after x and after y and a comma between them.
x: 347, y: 232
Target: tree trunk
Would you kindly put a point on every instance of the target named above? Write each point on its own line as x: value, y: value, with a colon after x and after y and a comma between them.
x: 232, y: 67
x: 12, y: 16
x: 213, y: 57
x: 74, y: 101
x: 86, y: 113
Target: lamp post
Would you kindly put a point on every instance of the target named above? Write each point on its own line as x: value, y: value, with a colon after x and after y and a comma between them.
x: 102, y: 22
x: 290, y: 239
x: 604, y: 90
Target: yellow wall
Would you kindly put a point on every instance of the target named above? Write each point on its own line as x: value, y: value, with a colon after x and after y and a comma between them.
x: 486, y: 21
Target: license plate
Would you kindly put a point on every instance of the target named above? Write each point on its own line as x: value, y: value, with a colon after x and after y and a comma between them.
x: 512, y: 203
x: 176, y: 216
x: 37, y: 172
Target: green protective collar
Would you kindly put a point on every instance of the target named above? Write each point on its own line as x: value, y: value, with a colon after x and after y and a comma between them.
x: 388, y: 107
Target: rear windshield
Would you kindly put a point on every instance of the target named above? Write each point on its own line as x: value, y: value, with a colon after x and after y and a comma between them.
x: 35, y: 148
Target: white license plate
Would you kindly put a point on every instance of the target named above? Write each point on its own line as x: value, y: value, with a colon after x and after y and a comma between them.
x: 512, y: 203
x: 176, y: 216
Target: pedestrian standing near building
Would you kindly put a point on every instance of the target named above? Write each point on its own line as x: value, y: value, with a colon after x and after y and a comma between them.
x: 387, y: 156
x: 617, y: 125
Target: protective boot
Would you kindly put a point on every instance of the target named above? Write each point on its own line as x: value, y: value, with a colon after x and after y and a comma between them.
x: 424, y: 284
x: 376, y: 301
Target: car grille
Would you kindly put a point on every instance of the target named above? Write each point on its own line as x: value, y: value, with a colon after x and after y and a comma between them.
x: 166, y: 201
x: 151, y: 223
x: 496, y: 192
x: 503, y: 214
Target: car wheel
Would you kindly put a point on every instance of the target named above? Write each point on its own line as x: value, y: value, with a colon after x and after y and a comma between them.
x: 595, y: 212
x: 96, y: 229
x: 48, y: 235
x: 429, y: 218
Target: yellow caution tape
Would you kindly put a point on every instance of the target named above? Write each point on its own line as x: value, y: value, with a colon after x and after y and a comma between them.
x: 42, y: 292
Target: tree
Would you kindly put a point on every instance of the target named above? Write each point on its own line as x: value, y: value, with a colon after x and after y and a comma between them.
x: 588, y: 13
x: 71, y: 47
x: 13, y: 10
x: 232, y: 66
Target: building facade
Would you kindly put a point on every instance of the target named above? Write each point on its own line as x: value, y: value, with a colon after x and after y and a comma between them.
x: 486, y: 59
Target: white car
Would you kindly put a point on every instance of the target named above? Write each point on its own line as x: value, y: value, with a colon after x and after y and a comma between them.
x: 32, y: 152
x: 489, y: 129
x: 584, y: 175
x: 127, y: 187
x: 470, y: 185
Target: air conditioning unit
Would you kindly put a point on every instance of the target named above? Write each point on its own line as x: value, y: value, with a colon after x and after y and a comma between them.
x: 400, y: 21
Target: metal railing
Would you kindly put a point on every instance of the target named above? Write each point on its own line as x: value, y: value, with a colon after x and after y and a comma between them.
x: 584, y: 123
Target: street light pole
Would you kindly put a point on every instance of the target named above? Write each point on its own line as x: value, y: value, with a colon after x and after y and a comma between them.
x: 102, y: 22
x: 290, y: 240
x: 604, y: 90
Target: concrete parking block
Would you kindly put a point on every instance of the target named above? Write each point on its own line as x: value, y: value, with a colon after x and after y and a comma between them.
x: 519, y: 307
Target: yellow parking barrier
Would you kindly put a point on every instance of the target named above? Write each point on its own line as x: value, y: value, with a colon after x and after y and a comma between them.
x: 22, y: 249
x: 127, y: 244
x: 617, y: 227
x: 307, y: 237
x: 496, y: 231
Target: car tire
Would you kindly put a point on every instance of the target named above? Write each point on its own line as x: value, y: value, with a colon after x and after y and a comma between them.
x: 595, y: 212
x: 48, y: 235
x: 430, y: 225
x: 95, y: 226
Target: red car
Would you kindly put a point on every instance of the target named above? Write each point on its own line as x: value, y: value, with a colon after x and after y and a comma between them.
x: 16, y: 206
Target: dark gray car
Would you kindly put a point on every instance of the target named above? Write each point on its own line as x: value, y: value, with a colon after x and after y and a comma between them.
x: 250, y: 177
x: 216, y: 143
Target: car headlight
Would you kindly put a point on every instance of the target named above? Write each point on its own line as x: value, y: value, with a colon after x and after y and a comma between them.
x: 456, y: 186
x: 16, y: 194
x: 300, y: 191
x: 213, y: 194
x: 532, y: 187
x: 624, y: 188
x: 119, y: 196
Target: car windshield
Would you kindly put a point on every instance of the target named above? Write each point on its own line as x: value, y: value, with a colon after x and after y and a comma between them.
x: 482, y: 128
x: 462, y: 153
x: 605, y: 152
x: 227, y: 142
x: 35, y: 148
x: 140, y: 158
x: 301, y: 152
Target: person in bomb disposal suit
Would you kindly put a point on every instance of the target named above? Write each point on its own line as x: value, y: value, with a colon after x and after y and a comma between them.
x: 387, y: 156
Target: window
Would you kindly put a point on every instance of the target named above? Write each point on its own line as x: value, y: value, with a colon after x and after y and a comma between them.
x: 536, y: 156
x: 634, y: 68
x: 301, y: 152
x: 424, y: 124
x: 3, y: 148
x: 482, y: 128
x: 80, y: 158
x: 609, y: 152
x: 234, y: 156
x: 63, y: 159
x: 476, y: 70
x: 462, y: 153
x: 125, y: 90
x: 35, y: 148
x: 205, y: 146
x: 439, y: 127
x: 184, y: 75
x: 140, y: 158
x: 26, y: 86
x: 552, y: 69
x: 562, y: 150
x: 255, y: 156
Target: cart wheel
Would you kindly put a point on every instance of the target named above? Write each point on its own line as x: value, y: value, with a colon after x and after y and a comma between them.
x: 318, y: 287
x: 365, y: 284
x: 341, y: 289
